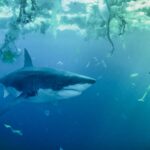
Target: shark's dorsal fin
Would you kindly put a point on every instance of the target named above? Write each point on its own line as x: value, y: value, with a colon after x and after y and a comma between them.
x: 27, y: 59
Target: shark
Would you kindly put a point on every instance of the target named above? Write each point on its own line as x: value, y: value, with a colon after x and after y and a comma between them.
x: 41, y: 84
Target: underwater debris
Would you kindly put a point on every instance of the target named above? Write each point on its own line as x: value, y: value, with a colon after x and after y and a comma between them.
x: 88, y: 64
x: 8, y: 56
x: 60, y: 63
x: 104, y: 64
x: 133, y: 75
x: 109, y: 38
x: 9, y: 51
x: 142, y: 99
x: 18, y: 132
x: 91, y: 18
x: 24, y: 15
x: 95, y: 59
x: 122, y: 25
x: 105, y: 12
x: 133, y: 84
x: 96, y: 62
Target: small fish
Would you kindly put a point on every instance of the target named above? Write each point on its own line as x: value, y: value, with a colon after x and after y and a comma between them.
x: 18, y: 132
x: 7, y: 126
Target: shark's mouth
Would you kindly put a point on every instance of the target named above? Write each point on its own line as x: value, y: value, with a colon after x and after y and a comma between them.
x: 73, y: 90
x: 70, y: 91
x: 77, y: 87
x: 46, y: 95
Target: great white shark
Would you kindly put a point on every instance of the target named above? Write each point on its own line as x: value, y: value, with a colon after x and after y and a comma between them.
x: 41, y: 85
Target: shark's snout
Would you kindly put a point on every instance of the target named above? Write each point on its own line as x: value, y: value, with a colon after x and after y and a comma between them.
x: 86, y: 79
x: 91, y: 80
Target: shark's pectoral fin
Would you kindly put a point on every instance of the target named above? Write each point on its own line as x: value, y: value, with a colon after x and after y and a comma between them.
x: 22, y: 95
x: 9, y: 97
x: 8, y: 91
x: 13, y: 92
x: 26, y: 95
x: 3, y: 91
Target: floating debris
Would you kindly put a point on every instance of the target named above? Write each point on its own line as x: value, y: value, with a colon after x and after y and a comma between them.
x: 145, y: 94
x: 92, y: 19
x: 60, y: 63
x: 18, y: 132
x: 88, y: 64
x: 133, y: 84
x: 104, y: 64
x: 95, y: 59
x: 133, y: 75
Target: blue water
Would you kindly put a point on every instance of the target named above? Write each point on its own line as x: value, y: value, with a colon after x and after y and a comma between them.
x: 108, y: 116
